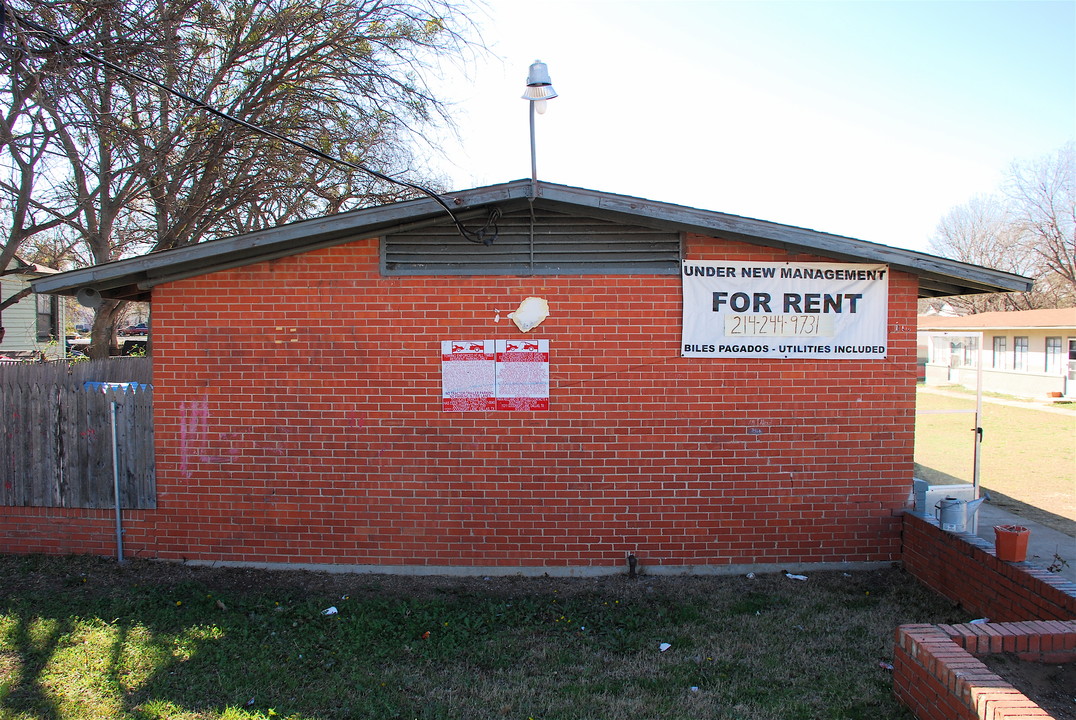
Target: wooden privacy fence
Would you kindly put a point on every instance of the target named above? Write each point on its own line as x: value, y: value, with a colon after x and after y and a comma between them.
x: 56, y: 442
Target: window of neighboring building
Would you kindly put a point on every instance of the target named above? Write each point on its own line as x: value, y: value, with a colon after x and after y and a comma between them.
x: 47, y: 327
x: 1000, y: 345
x: 971, y: 351
x: 962, y: 352
x: 1019, y: 353
x: 1053, y: 355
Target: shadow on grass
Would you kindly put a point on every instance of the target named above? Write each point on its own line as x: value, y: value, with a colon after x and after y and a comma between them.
x: 33, y: 651
x: 1043, y: 517
x: 937, y: 477
x: 1005, y: 502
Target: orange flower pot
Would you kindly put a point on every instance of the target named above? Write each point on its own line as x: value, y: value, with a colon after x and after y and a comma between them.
x: 1010, y: 542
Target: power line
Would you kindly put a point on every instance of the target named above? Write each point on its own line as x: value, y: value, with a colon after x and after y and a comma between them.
x: 484, y: 235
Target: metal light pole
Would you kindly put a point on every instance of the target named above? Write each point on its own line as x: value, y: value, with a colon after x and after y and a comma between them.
x: 116, y: 486
x: 539, y: 89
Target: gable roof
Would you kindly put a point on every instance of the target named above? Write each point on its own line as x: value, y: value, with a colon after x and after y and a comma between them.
x: 18, y: 266
x: 133, y: 279
x: 1044, y: 319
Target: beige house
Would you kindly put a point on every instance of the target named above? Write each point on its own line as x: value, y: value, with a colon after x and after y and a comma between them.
x: 1030, y: 353
x: 34, y: 326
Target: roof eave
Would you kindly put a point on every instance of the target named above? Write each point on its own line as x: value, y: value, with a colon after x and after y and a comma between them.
x: 938, y: 276
x: 134, y: 278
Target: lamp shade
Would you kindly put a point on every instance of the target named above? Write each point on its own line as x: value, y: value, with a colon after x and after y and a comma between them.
x: 544, y: 92
x: 539, y: 86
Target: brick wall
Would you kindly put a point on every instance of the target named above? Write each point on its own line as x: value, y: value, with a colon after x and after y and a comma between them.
x: 937, y: 674
x: 963, y: 568
x: 298, y: 420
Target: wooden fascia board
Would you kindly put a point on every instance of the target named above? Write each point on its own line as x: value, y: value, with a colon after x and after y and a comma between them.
x: 148, y: 270
x: 960, y: 276
x: 135, y: 276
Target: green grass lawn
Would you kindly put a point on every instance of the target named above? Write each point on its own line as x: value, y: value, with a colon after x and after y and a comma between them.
x: 1028, y: 455
x: 85, y: 638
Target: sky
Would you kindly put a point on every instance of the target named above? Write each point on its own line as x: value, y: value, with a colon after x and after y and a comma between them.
x: 868, y: 119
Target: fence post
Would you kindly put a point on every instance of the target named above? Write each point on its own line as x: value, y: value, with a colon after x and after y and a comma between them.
x: 116, y: 483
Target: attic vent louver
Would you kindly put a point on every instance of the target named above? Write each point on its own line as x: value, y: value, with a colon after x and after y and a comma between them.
x: 562, y: 245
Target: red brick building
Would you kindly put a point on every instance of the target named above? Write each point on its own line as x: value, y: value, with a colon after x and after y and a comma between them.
x: 307, y: 411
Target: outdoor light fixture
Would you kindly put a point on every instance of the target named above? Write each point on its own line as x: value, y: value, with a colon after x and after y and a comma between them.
x: 539, y: 89
x: 539, y: 86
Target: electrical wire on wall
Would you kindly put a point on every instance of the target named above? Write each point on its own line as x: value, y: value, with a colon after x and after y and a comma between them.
x: 484, y: 235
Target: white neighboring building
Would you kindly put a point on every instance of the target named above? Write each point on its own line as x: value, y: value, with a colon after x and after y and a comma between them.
x: 34, y: 324
x: 1029, y: 353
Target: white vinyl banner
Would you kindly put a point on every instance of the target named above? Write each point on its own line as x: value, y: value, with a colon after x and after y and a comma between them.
x: 784, y: 310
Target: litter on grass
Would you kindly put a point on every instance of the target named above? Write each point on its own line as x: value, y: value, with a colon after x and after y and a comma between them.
x: 664, y: 646
x: 790, y: 576
x: 330, y: 611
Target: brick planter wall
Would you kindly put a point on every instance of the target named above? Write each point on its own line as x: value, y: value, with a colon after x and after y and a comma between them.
x: 936, y: 673
x: 298, y: 420
x: 963, y: 568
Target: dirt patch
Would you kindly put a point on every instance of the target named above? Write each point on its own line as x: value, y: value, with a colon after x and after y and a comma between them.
x: 103, y: 576
x: 1050, y: 685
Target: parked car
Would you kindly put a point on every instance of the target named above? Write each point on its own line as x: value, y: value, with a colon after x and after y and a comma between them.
x: 139, y: 329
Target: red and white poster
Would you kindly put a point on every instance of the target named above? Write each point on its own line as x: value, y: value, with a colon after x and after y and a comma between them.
x: 468, y: 376
x: 523, y: 374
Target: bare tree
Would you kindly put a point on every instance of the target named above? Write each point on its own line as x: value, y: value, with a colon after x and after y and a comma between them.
x: 982, y: 232
x: 1027, y: 231
x: 148, y: 170
x: 31, y: 201
x: 334, y: 74
x: 1043, y: 200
